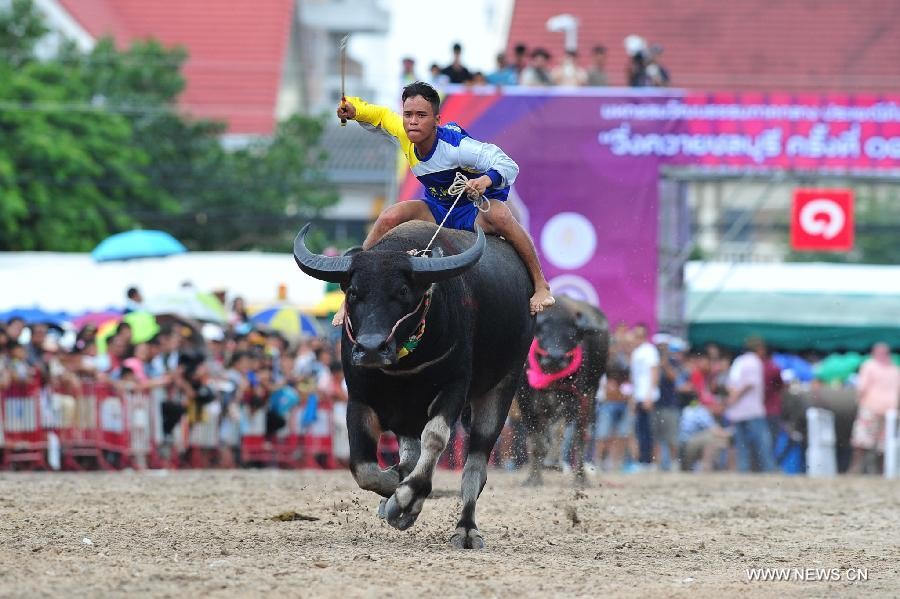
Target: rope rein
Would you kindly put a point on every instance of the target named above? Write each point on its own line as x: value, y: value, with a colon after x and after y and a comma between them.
x: 457, y: 188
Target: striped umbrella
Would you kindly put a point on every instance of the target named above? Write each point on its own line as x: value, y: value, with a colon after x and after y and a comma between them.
x: 288, y: 320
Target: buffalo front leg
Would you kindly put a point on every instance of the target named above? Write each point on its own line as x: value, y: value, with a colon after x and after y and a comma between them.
x: 535, y: 423
x: 365, y: 430
x: 488, y: 415
x: 404, y: 506
x: 538, y: 442
x: 410, y: 450
x: 583, y: 422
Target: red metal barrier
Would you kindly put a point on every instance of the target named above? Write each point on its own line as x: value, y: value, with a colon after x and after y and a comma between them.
x: 318, y: 449
x: 103, y: 427
x: 24, y: 438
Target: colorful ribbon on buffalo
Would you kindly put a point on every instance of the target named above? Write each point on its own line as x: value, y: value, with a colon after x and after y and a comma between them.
x: 539, y: 379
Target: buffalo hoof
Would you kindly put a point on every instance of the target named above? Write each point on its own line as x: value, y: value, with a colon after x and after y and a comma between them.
x: 382, y: 511
x: 467, y: 539
x: 399, y: 517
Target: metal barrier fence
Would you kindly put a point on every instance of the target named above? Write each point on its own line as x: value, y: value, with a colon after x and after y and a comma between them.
x: 106, y: 428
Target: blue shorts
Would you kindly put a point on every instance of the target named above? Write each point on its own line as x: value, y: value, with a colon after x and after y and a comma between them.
x: 463, y: 215
x: 614, y: 420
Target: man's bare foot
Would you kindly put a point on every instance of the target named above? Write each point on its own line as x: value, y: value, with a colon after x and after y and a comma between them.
x: 338, y: 319
x: 541, y: 299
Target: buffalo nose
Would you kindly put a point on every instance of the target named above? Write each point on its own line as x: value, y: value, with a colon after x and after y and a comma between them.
x: 557, y: 355
x: 369, y: 343
x: 372, y: 350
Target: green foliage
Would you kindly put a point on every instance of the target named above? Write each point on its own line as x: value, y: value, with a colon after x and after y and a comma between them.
x: 21, y: 27
x: 91, y: 144
x: 66, y: 175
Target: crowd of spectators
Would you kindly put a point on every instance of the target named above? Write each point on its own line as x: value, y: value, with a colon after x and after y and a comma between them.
x: 538, y: 67
x: 661, y: 405
x: 232, y: 374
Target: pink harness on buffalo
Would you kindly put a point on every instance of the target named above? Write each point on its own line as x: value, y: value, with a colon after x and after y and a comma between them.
x: 539, y: 379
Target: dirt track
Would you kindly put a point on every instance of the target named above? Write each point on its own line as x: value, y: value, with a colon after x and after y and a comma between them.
x: 211, y: 534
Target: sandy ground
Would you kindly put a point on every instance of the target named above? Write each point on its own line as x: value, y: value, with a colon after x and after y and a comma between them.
x: 210, y: 533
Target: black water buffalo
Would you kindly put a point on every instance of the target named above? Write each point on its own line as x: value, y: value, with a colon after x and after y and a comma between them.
x: 425, y: 340
x: 565, y: 364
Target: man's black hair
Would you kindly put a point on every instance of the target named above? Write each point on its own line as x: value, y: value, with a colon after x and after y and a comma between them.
x: 520, y: 50
x: 420, y: 88
x: 457, y: 48
x: 132, y: 292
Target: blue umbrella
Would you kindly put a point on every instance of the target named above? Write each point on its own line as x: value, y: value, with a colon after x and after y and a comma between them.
x: 36, y: 316
x: 137, y: 244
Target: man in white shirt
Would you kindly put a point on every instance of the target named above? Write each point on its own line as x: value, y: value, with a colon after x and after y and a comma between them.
x: 645, y: 381
x: 746, y: 408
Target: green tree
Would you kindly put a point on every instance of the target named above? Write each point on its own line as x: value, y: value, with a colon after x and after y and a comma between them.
x: 207, y: 197
x: 93, y: 143
x: 67, y: 170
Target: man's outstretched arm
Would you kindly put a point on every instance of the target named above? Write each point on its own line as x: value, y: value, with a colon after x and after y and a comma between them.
x: 375, y: 118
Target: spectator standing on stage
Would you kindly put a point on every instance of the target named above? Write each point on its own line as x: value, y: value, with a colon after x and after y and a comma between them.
x: 520, y: 60
x: 746, y: 408
x: 596, y: 73
x: 436, y: 77
x: 656, y: 74
x: 568, y: 73
x: 455, y: 71
x: 878, y: 388
x: 505, y: 74
x: 537, y: 74
x: 408, y: 72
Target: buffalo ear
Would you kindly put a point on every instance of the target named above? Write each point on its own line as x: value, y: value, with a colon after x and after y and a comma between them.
x: 585, y: 324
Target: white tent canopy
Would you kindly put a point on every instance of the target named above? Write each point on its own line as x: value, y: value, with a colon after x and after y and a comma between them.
x: 75, y: 283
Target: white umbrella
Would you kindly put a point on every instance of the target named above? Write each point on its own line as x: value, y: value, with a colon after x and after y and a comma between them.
x: 188, y: 303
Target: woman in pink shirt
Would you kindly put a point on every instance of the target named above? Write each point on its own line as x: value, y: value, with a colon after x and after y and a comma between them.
x: 878, y: 390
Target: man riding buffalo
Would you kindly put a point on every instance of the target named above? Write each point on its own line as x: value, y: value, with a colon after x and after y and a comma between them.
x: 427, y: 340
